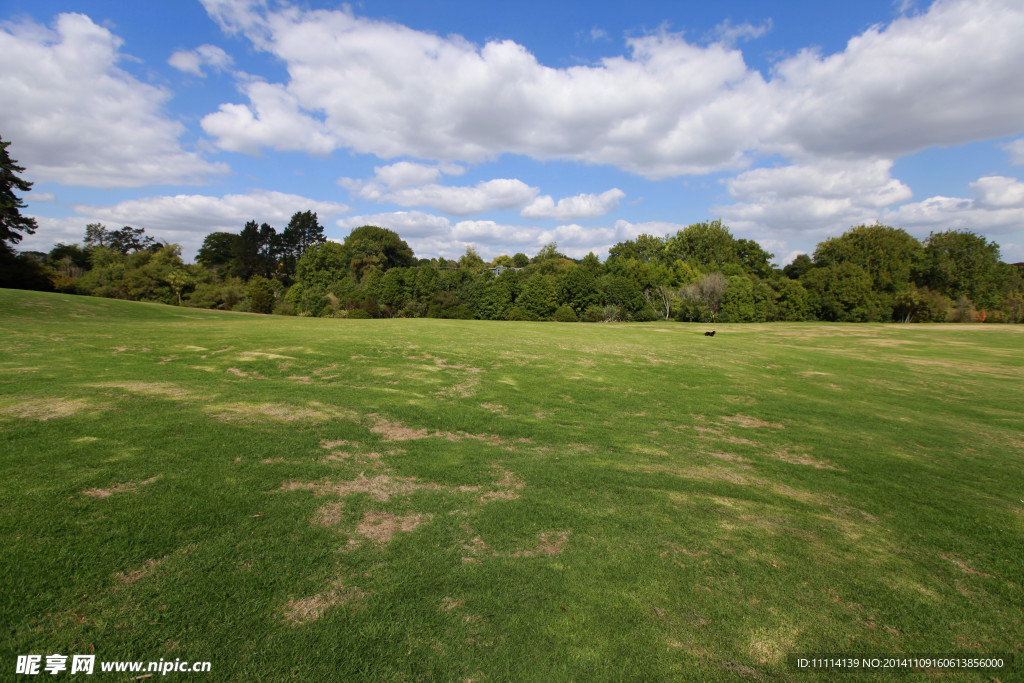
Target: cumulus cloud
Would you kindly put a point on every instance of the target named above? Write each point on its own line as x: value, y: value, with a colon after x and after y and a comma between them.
x: 940, y: 78
x: 667, y: 107
x: 814, y: 198
x: 488, y: 195
x: 408, y: 224
x: 183, y: 219
x: 193, y: 61
x: 729, y: 33
x: 574, y: 208
x: 78, y: 119
x: 997, y: 207
x: 1016, y: 150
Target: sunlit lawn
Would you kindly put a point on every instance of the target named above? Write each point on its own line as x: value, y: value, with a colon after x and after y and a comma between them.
x: 309, y: 499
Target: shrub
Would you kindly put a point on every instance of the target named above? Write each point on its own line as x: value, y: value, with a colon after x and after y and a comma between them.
x: 359, y: 314
x: 565, y: 314
x: 593, y: 314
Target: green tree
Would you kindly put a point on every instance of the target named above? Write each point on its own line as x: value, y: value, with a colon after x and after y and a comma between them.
x: 12, y: 223
x: 218, y: 251
x: 708, y: 244
x: 888, y: 255
x: 800, y: 265
x: 963, y: 264
x: 792, y: 303
x: 577, y: 288
x: 261, y: 295
x: 322, y: 265
x: 538, y: 298
x: 302, y: 232
x: 843, y: 293
x: 738, y: 301
x: 370, y: 248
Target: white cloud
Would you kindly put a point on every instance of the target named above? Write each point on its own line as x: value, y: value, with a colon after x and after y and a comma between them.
x: 183, y: 219
x: 668, y: 107
x: 574, y: 208
x: 408, y: 224
x: 729, y: 33
x: 1016, y: 150
x: 998, y: 192
x: 500, y: 193
x: 76, y: 118
x: 275, y: 120
x: 816, y: 198
x: 192, y: 61
x: 945, y: 77
x: 997, y: 208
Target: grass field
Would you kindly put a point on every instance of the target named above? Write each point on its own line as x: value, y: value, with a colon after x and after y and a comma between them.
x: 307, y: 499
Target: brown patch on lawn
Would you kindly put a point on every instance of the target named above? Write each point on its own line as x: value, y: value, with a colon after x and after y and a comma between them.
x: 396, y: 431
x: 42, y: 409
x: 253, y: 412
x: 305, y: 610
x: 812, y: 373
x: 381, y: 487
x: 329, y: 514
x: 785, y: 455
x: 247, y: 375
x: 126, y: 487
x: 335, y: 444
x: 145, y: 570
x: 718, y: 434
x: 732, y: 457
x: 448, y: 604
x: 963, y: 566
x: 299, y: 379
x: 121, y: 349
x: 166, y: 389
x: 495, y: 408
x: 258, y: 355
x: 551, y: 543
x: 380, y: 527
x: 748, y: 422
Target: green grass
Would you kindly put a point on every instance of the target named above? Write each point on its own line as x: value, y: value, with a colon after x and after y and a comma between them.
x: 584, y: 502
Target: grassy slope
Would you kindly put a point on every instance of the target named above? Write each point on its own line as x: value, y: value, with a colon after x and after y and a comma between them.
x: 587, y: 501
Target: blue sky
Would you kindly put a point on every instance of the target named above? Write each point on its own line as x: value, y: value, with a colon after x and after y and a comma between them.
x: 509, y: 126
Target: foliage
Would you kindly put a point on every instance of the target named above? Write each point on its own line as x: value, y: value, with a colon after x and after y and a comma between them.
x: 13, y: 226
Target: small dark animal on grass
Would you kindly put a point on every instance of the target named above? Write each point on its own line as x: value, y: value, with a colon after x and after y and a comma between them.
x: 710, y: 334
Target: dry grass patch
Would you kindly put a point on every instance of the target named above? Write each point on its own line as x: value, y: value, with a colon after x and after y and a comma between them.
x: 785, y: 455
x: 247, y: 375
x: 305, y: 610
x: 145, y: 570
x: 381, y: 487
x: 448, y: 604
x: 963, y: 566
x: 329, y: 514
x: 253, y: 412
x: 380, y: 527
x: 550, y: 543
x: 43, y: 409
x: 126, y: 487
x: 748, y: 422
x: 257, y: 355
x: 165, y: 389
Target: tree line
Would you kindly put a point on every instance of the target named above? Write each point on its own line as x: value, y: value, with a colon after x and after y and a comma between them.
x: 702, y: 273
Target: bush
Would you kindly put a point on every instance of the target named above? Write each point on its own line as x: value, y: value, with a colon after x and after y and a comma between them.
x: 565, y: 314
x: 359, y: 314
x: 593, y: 314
